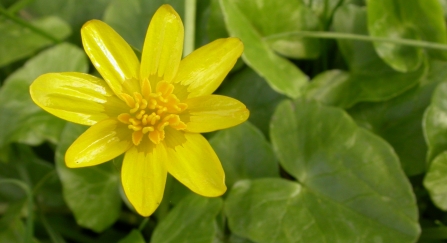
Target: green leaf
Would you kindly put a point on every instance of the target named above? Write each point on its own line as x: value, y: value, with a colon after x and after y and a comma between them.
x: 92, y: 193
x: 255, y: 93
x: 244, y: 154
x: 370, y: 78
x: 351, y: 187
x: 237, y: 239
x: 192, y: 220
x: 399, y: 120
x: 135, y: 236
x: 406, y: 19
x: 282, y: 75
x: 39, y: 175
x: 75, y: 12
x: 14, y: 233
x: 436, y: 181
x: 434, y: 125
x: 323, y: 9
x: 12, y: 228
x: 20, y: 119
x: 17, y: 41
x: 216, y: 24
x: 130, y: 18
x: 263, y: 16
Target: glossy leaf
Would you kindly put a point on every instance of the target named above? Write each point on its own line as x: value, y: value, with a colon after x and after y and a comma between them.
x: 17, y: 42
x: 21, y: 120
x: 399, y: 120
x: 281, y: 74
x: 121, y: 14
x: 244, y: 154
x: 252, y: 90
x: 323, y: 9
x: 263, y: 17
x: 435, y: 125
x: 370, y: 79
x: 192, y: 220
x: 350, y: 184
x: 92, y: 193
x: 436, y: 181
x: 414, y: 19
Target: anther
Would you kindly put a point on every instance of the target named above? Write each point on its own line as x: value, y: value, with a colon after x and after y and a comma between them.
x: 140, y: 114
x: 148, y: 129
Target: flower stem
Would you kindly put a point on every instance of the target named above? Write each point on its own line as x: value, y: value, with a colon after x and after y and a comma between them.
x: 143, y: 223
x: 25, y: 24
x: 348, y: 36
x: 30, y: 219
x: 190, y: 26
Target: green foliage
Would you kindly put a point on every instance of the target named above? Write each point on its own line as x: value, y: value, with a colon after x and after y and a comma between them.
x: 17, y: 42
x: 436, y: 181
x: 279, y: 72
x: 91, y: 193
x: 414, y: 19
x: 346, y: 139
x: 22, y: 120
x: 244, y: 154
x: 192, y: 220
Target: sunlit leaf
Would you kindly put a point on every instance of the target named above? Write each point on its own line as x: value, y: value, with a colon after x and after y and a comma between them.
x: 412, y: 19
x: 192, y: 220
x: 435, y: 124
x: 242, y: 21
x: 399, y: 120
x: 369, y: 79
x: 350, y: 186
x: 436, y: 181
x: 244, y: 154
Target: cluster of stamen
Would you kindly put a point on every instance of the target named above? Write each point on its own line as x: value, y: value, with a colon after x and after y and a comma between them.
x: 151, y: 112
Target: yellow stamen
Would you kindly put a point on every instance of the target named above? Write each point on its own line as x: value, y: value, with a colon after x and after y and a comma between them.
x: 149, y: 113
x: 137, y: 137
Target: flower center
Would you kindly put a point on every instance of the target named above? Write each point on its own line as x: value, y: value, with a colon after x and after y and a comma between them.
x: 151, y: 112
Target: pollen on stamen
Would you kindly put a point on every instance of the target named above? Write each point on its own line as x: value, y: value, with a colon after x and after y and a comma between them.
x: 147, y: 129
x: 149, y: 113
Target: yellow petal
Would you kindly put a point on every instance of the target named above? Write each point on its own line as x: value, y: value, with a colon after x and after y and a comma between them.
x: 100, y: 143
x: 193, y: 162
x: 112, y: 56
x: 205, y: 68
x: 163, y: 45
x: 144, y: 177
x: 213, y: 112
x: 76, y: 97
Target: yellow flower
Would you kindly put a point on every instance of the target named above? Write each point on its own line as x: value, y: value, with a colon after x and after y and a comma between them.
x: 153, y: 112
